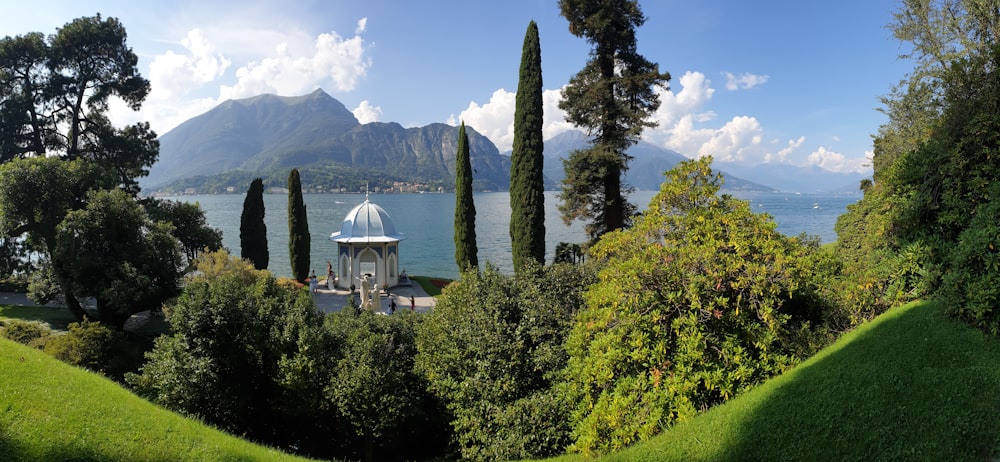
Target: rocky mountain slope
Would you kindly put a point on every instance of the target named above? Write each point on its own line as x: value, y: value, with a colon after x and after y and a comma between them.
x: 267, y: 133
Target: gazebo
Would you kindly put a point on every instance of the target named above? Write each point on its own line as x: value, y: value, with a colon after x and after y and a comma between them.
x: 367, y: 245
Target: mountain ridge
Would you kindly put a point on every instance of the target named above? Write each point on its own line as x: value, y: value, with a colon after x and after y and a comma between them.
x: 315, y: 131
x: 267, y: 135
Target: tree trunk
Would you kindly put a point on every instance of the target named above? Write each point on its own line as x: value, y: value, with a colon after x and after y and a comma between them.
x: 74, y: 305
x: 614, y: 215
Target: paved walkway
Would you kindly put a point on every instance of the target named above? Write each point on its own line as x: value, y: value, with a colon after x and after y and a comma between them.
x: 327, y: 300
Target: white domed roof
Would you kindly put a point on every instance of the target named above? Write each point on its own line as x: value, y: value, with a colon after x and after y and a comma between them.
x: 367, y: 223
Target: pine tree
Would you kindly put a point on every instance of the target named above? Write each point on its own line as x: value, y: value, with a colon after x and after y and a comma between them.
x: 611, y: 98
x: 253, y: 231
x: 298, y: 229
x: 465, y: 209
x: 527, y: 184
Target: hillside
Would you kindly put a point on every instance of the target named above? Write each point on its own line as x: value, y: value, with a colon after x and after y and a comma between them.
x: 913, y: 384
x: 791, y: 178
x: 267, y: 133
x: 53, y: 411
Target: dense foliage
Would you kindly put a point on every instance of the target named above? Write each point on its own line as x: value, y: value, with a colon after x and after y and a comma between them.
x: 189, y: 226
x: 688, y: 312
x: 253, y: 231
x: 382, y: 402
x: 55, y: 92
x: 24, y: 332
x: 299, y: 240
x: 918, y: 231
x: 527, y: 182
x: 36, y: 194
x: 111, y: 251
x: 612, y: 99
x: 87, y: 344
x: 252, y: 355
x: 492, y: 351
x: 466, y: 253
x: 60, y: 151
x: 231, y: 327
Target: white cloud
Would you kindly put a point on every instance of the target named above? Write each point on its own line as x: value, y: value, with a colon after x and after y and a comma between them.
x: 366, y: 113
x: 495, y: 119
x: 292, y: 71
x: 744, y: 81
x: 837, y: 162
x: 172, y: 75
x: 783, y: 153
x: 554, y: 120
x: 737, y: 140
x: 696, y: 92
x: 682, y: 119
x: 182, y: 82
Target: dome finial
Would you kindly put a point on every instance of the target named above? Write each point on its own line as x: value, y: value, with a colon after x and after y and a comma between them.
x: 366, y: 191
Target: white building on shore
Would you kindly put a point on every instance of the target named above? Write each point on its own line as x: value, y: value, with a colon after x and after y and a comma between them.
x: 367, y: 244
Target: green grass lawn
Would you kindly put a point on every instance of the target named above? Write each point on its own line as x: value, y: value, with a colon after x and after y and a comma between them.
x: 912, y: 385
x: 431, y: 285
x: 56, y: 317
x: 52, y: 411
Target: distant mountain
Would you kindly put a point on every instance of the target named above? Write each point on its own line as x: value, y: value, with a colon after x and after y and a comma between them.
x: 791, y: 178
x: 268, y: 133
x: 645, y: 172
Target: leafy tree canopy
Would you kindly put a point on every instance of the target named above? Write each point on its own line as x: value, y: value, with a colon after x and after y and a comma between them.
x: 112, y: 251
x: 492, y: 350
x: 686, y: 314
x: 56, y: 90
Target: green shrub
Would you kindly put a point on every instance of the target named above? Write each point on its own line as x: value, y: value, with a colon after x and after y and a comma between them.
x: 971, y: 286
x: 25, y: 332
x: 492, y: 350
x: 88, y: 344
x: 687, y: 313
x: 18, y: 284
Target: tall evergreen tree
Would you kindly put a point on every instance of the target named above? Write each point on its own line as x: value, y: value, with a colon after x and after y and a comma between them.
x: 253, y: 231
x: 611, y: 99
x: 298, y: 229
x: 527, y: 184
x: 465, y: 210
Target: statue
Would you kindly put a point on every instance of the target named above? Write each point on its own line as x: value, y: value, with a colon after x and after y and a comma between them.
x: 365, y: 293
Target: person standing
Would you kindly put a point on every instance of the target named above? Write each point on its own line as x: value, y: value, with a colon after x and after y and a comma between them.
x: 413, y: 303
x: 313, y: 282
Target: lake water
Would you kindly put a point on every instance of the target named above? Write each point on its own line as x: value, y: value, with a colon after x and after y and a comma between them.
x: 427, y: 220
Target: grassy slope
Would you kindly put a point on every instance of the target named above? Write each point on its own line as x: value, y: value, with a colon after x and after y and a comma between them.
x: 52, y: 411
x: 911, y: 385
x: 55, y: 318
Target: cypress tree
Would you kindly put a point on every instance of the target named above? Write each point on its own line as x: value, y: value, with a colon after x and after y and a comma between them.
x: 527, y: 186
x: 465, y: 209
x: 298, y: 229
x: 253, y: 231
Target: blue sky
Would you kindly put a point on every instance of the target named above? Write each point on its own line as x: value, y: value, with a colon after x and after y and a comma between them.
x: 794, y: 82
